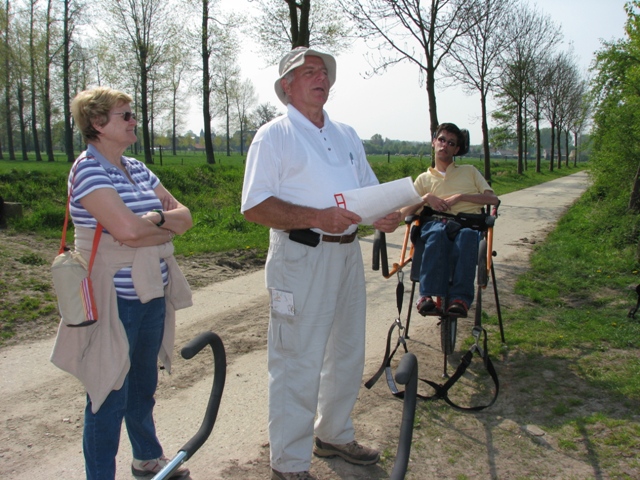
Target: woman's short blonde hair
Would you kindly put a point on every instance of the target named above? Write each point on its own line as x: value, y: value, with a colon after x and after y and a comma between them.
x: 93, y: 106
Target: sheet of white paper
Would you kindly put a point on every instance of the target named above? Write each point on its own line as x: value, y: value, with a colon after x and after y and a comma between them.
x: 373, y: 203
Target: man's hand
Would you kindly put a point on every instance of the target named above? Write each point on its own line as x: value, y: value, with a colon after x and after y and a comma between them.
x: 436, y: 203
x: 336, y: 220
x: 389, y: 223
x: 276, y: 213
x: 453, y: 199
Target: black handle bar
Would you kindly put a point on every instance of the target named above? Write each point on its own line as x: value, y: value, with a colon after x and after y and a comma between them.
x: 220, y: 371
x: 406, y: 374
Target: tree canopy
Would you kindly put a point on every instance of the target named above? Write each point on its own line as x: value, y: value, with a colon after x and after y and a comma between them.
x: 616, y: 133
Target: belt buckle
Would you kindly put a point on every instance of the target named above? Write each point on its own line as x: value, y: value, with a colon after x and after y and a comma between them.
x: 343, y: 239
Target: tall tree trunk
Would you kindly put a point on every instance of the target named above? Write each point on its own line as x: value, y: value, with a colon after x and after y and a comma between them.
x: 634, y: 200
x: 34, y: 122
x: 136, y: 130
x: 553, y: 141
x: 242, y: 123
x: 228, y: 122
x: 66, y: 88
x: 526, y: 136
x: 174, y: 122
x: 433, y: 115
x: 152, y: 130
x: 206, y: 84
x: 575, y: 143
x: 566, y: 146
x: 538, y: 144
x: 46, y: 94
x: 433, y: 104
x: 7, y: 87
x: 485, y: 138
x: 519, y: 137
x: 34, y: 96
x: 23, y: 128
x: 559, y: 141
x: 8, y: 123
x: 299, y: 24
x: 144, y: 99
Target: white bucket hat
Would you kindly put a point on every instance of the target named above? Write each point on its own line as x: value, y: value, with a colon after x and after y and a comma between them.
x: 295, y: 59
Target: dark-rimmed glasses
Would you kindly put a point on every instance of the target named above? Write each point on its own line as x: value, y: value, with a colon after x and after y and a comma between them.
x: 126, y: 116
x: 451, y: 143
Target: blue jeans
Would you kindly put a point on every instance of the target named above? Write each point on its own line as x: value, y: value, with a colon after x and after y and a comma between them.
x: 144, y: 325
x: 444, y: 260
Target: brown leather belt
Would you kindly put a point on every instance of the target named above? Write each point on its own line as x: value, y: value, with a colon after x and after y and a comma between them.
x: 340, y: 238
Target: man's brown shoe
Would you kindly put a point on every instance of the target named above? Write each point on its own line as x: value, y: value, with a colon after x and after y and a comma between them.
x: 276, y: 475
x: 352, y: 452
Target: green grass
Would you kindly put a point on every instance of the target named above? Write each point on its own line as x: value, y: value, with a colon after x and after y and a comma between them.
x: 580, y: 287
x: 212, y: 192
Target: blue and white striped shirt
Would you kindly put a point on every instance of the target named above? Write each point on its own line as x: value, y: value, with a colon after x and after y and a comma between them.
x: 94, y: 172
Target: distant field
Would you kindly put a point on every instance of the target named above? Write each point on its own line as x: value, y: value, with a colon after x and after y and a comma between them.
x: 212, y: 193
x: 182, y: 159
x: 199, y: 158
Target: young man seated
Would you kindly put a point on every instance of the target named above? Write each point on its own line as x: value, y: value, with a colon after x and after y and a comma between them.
x: 451, y: 189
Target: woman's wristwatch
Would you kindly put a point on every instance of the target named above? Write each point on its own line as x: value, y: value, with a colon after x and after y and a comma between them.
x: 159, y: 212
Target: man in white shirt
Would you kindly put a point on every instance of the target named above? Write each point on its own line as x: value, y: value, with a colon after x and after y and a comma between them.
x: 314, y: 270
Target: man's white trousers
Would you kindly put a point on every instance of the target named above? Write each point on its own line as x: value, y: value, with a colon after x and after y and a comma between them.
x: 316, y: 354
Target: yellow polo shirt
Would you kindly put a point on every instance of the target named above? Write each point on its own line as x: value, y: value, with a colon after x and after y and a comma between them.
x: 465, y: 179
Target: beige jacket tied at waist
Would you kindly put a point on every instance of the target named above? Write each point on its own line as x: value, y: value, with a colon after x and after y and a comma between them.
x: 98, y: 355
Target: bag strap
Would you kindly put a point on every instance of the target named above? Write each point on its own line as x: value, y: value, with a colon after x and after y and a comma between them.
x: 63, y: 240
x: 96, y: 236
x: 94, y: 249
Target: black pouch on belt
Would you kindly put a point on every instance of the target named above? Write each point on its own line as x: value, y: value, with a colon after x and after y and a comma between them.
x: 452, y: 228
x: 305, y: 237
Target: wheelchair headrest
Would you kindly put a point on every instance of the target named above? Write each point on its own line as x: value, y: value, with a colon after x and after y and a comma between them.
x: 464, y: 148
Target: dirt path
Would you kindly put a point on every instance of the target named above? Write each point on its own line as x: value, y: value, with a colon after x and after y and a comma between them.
x: 41, y: 407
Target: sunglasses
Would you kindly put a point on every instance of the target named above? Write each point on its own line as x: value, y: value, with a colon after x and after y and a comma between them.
x: 448, y: 142
x: 126, y: 116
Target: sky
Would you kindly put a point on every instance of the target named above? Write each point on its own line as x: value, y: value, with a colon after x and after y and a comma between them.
x: 395, y: 104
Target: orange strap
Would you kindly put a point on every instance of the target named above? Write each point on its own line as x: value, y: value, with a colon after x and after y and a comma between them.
x: 96, y: 236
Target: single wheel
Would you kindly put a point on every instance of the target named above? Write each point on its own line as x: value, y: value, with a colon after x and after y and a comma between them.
x: 483, y: 276
x: 448, y: 328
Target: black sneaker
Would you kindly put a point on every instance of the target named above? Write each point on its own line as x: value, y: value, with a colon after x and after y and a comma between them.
x: 276, y: 475
x: 352, y: 452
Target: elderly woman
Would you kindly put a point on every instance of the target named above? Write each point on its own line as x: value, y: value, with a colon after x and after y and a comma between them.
x: 137, y: 286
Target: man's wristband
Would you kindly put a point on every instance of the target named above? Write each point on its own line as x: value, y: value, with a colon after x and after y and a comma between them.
x: 161, y: 222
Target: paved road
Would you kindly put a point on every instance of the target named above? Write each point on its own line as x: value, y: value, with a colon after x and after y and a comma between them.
x: 524, y: 217
x: 240, y: 432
